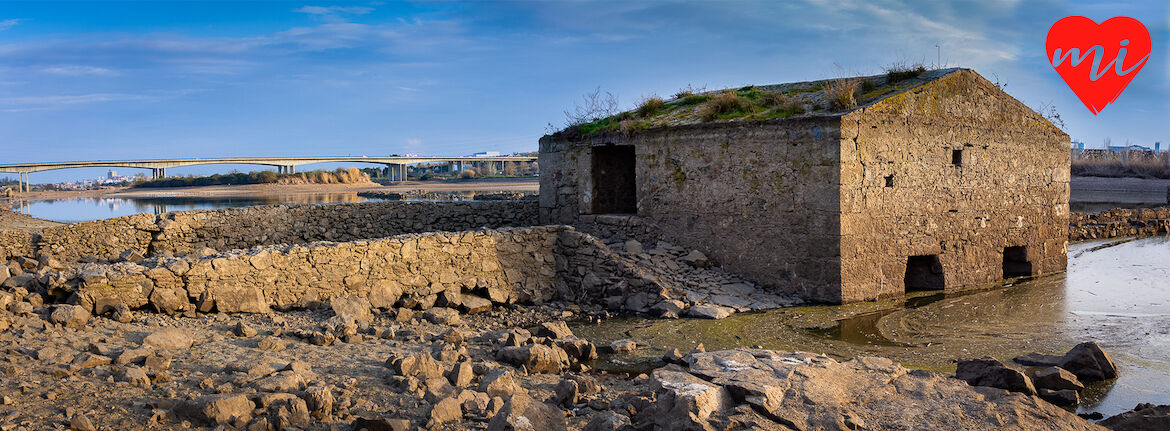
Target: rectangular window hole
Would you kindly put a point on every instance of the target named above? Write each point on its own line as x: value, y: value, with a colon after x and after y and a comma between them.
x: 957, y: 157
x: 889, y: 180
x: 1015, y: 262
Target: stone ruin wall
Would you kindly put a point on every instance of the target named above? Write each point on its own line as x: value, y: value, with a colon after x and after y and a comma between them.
x: 238, y: 228
x: 1119, y: 223
x: 1012, y: 188
x: 760, y: 199
x: 452, y: 269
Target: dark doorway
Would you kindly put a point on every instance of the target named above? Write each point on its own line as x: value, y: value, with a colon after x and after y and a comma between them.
x: 1015, y: 262
x: 614, y: 185
x: 924, y: 273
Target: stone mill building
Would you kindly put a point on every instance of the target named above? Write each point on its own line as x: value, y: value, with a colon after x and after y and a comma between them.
x: 838, y: 191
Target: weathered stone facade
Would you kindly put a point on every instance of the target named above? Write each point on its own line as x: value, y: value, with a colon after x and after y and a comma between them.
x: 238, y: 228
x: 928, y: 186
x: 1119, y: 223
x: 512, y: 265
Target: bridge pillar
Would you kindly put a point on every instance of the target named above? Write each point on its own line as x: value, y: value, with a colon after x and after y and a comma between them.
x: 292, y: 169
x: 402, y: 167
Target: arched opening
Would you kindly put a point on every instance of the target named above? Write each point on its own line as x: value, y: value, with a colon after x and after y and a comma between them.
x: 924, y: 273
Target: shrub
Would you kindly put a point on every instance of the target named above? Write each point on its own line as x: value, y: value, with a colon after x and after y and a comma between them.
x: 842, y: 93
x: 726, y: 102
x: 900, y: 71
x: 1124, y: 164
x: 650, y: 106
x: 467, y: 174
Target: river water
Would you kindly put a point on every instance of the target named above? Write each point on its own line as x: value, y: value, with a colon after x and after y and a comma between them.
x: 1114, y: 293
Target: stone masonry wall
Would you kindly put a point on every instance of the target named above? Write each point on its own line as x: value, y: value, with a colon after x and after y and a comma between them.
x: 453, y: 269
x: 760, y: 198
x: 1119, y: 223
x: 903, y: 196
x: 237, y: 228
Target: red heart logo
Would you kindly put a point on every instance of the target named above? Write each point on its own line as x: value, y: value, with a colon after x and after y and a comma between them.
x: 1098, y: 61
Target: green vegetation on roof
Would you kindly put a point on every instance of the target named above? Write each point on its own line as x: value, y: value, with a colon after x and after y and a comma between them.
x: 761, y: 103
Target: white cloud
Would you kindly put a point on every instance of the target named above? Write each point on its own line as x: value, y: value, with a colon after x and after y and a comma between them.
x: 8, y: 23
x: 79, y: 71
x: 334, y: 10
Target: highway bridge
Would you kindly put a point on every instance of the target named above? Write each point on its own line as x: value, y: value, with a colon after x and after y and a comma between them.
x: 287, y: 165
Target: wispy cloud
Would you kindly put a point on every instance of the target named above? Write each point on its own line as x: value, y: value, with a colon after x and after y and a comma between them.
x: 34, y: 103
x: 8, y: 23
x: 75, y: 70
x: 334, y: 10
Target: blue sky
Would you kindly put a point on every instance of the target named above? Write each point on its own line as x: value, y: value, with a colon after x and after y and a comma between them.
x: 101, y: 80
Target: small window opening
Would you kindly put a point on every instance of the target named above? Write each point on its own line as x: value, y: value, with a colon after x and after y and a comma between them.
x: 889, y: 180
x: 957, y: 157
x: 1015, y: 262
x: 924, y: 273
x: 614, y: 180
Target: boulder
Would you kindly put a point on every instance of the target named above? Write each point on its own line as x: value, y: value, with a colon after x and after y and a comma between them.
x: 1062, y: 397
x: 696, y: 259
x: 352, y: 309
x: 442, y: 316
x: 992, y: 373
x: 1089, y: 362
x: 1056, y: 378
x: 500, y: 383
x: 536, y: 358
x: 241, y: 300
x: 686, y: 402
x: 1144, y: 417
x: 169, y: 338
x: 1037, y: 360
x: 577, y: 348
x: 320, y: 401
x: 380, y: 424
x: 708, y: 311
x: 243, y: 330
x: 169, y: 301
x: 420, y: 365
x: 669, y: 309
x: 446, y: 411
x: 217, y: 409
x: 473, y: 304
x: 522, y: 413
x: 623, y: 346
x: 633, y: 247
x: 554, y: 330
x: 70, y: 316
x: 607, y: 421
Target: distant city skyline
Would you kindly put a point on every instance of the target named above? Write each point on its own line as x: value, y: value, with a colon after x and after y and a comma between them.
x: 141, y: 80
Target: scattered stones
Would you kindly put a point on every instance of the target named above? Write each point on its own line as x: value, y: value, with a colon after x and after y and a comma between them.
x: 270, y: 343
x: 442, y: 316
x: 135, y: 376
x: 1089, y: 362
x: 607, y: 421
x: 380, y: 424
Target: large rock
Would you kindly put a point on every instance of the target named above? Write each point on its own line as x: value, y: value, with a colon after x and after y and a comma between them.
x: 707, y: 311
x: 536, y: 358
x: 218, y: 409
x: 500, y: 383
x: 1144, y: 417
x: 169, y: 338
x: 1089, y: 362
x: 522, y: 413
x: 420, y: 365
x: 1056, y: 378
x: 70, y: 316
x: 686, y: 402
x: 811, y: 392
x: 352, y: 309
x: 240, y: 300
x: 1061, y: 397
x: 992, y: 373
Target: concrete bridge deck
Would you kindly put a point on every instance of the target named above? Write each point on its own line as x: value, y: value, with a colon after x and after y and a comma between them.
x: 284, y: 164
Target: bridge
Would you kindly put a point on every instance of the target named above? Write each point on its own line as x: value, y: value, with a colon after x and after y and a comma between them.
x: 284, y: 165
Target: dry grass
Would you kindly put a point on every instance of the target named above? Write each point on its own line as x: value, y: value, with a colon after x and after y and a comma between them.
x: 650, y: 106
x: 340, y: 176
x: 726, y: 102
x: 901, y: 71
x: 1124, y: 164
x: 842, y: 93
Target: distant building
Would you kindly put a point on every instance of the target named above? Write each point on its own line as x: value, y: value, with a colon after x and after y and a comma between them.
x: 1079, y: 146
x: 111, y: 175
x: 487, y: 154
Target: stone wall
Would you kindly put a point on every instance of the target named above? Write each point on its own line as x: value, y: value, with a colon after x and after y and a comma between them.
x: 16, y: 243
x: 903, y: 194
x: 238, y: 228
x: 1119, y: 223
x: 832, y: 207
x: 453, y: 269
x: 758, y: 198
